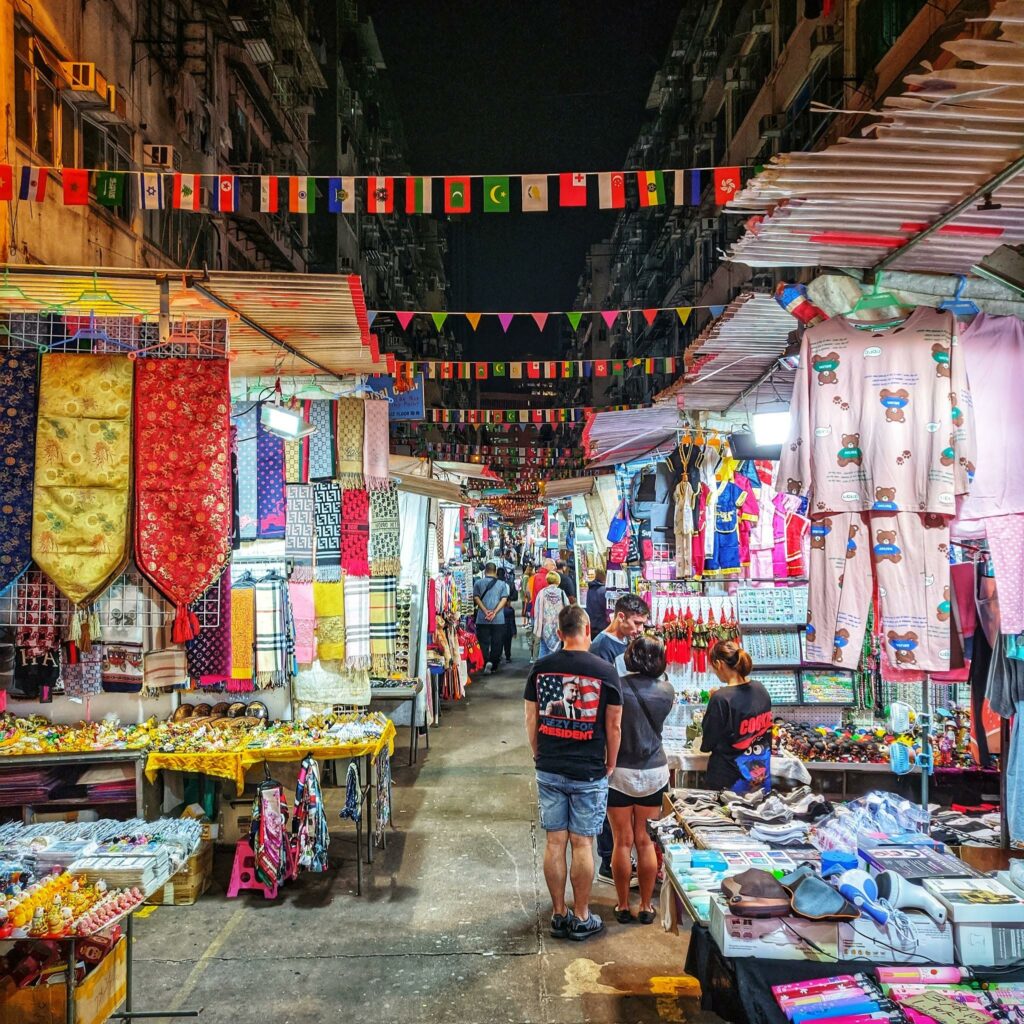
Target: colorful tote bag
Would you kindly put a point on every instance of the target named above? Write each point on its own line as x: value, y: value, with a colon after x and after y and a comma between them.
x: 182, y: 479
x: 18, y: 373
x: 82, y: 502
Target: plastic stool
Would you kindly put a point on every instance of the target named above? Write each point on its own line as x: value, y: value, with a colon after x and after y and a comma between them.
x: 243, y: 873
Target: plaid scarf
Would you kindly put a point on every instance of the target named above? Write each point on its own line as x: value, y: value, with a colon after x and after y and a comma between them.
x: 349, y: 440
x: 300, y: 596
x: 246, y: 417
x: 321, y: 444
x: 83, y: 474
x: 355, y: 532
x: 271, y: 632
x: 164, y: 670
x: 243, y: 636
x: 376, y: 443
x: 84, y: 677
x: 209, y: 654
x: 384, y: 532
x: 298, y: 534
x: 18, y: 399
x: 357, y: 622
x: 182, y: 480
x: 270, y: 497
x: 329, y: 608
x: 327, y: 519
x: 383, y: 625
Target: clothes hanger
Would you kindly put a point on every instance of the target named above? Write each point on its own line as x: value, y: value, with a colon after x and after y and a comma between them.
x: 960, y: 306
x: 92, y: 334
x: 877, y: 298
x: 7, y: 336
x: 96, y: 295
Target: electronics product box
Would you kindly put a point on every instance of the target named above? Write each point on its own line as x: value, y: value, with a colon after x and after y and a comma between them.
x: 977, y: 900
x: 989, y: 945
x: 774, y: 938
x: 915, y: 863
x: 864, y: 939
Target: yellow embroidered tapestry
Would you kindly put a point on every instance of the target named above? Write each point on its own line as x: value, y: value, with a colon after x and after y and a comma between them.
x: 80, y: 510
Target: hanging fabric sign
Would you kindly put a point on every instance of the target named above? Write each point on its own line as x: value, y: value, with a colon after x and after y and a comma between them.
x: 18, y: 372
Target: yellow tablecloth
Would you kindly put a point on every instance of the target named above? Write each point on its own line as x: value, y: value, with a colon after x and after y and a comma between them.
x: 233, y: 764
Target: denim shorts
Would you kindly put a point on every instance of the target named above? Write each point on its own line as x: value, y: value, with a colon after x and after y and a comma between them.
x: 569, y: 804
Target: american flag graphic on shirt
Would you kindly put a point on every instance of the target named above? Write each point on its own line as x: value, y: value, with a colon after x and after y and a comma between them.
x: 563, y: 699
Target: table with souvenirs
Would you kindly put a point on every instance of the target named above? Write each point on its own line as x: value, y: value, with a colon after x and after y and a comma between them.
x: 790, y: 897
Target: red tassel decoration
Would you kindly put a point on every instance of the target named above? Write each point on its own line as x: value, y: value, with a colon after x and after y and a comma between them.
x: 186, y: 625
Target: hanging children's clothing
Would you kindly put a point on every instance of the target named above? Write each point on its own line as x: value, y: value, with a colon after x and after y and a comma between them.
x: 883, y: 442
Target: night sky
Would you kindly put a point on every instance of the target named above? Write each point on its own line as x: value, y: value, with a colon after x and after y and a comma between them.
x: 513, y: 88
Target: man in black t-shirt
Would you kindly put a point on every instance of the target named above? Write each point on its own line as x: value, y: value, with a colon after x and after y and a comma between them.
x: 573, y: 722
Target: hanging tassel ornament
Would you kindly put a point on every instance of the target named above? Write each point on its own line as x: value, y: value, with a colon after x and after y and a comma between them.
x: 186, y: 625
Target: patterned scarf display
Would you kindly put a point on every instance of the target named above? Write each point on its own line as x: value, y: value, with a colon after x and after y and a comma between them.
x: 384, y: 532
x: 271, y: 633
x: 357, y: 622
x: 298, y: 537
x: 321, y: 443
x: 326, y: 683
x: 329, y: 607
x: 37, y: 640
x: 355, y: 532
x: 300, y: 597
x: 122, y: 636
x: 270, y: 497
x: 84, y: 676
x: 164, y: 670
x: 243, y: 637
x: 209, y: 654
x: 18, y: 372
x: 82, y: 502
x: 246, y: 416
x: 376, y: 443
x: 182, y: 480
x: 383, y: 625
x: 327, y: 520
x: 293, y: 462
x: 349, y: 467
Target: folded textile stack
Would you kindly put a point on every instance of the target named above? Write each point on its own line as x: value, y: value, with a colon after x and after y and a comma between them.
x: 28, y: 786
x: 142, y: 869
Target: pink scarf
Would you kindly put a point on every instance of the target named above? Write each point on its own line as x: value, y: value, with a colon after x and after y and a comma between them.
x: 376, y: 444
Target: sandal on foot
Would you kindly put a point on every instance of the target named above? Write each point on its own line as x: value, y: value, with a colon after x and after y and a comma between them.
x: 624, y: 916
x: 647, y: 916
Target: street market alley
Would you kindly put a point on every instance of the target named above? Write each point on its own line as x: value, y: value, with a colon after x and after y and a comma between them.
x: 452, y: 925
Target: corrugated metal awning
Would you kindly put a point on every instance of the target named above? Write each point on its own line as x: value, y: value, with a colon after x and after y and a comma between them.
x: 615, y: 438
x: 732, y: 354
x: 279, y: 322
x: 938, y: 143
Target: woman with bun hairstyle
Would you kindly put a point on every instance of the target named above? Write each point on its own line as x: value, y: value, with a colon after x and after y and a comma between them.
x: 737, y: 724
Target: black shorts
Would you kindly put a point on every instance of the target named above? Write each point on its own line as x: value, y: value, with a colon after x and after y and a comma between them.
x: 617, y: 799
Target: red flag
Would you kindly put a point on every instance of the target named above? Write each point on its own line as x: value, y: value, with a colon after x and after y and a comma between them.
x: 6, y: 182
x: 572, y: 189
x: 380, y: 195
x: 390, y: 360
x: 549, y: 371
x: 600, y: 367
x: 727, y: 184
x: 447, y: 370
x: 481, y: 371
x: 76, y: 186
x: 649, y: 315
x: 533, y: 370
x: 457, y: 195
x: 537, y: 415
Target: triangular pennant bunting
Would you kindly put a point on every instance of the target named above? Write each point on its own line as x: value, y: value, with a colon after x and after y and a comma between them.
x: 371, y: 315
x: 404, y: 317
x: 649, y: 315
x: 439, y: 319
x: 505, y: 319
x: 540, y: 319
x: 609, y: 315
x: 574, y: 319
x: 683, y: 312
x: 474, y: 320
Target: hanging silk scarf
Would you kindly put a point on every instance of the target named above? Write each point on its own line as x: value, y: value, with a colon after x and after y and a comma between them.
x: 269, y: 843
x: 122, y: 636
x: 270, y: 497
x: 355, y: 532
x: 376, y: 443
x: 321, y: 443
x: 246, y: 417
x: 327, y: 520
x: 383, y: 625
x: 182, y: 480
x: 209, y: 654
x: 357, y: 622
x: 349, y: 467
x: 81, y: 506
x: 300, y: 597
x: 18, y: 372
x: 384, y: 535
x: 271, y: 632
x: 243, y: 637
x: 298, y: 536
x: 293, y: 462
x: 309, y: 822
x: 329, y: 609
x: 37, y: 638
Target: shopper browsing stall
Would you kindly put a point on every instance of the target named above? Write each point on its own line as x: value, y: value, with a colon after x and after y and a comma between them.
x: 641, y: 774
x: 490, y: 595
x: 737, y: 724
x: 573, y: 723
x: 546, y: 609
x: 597, y: 603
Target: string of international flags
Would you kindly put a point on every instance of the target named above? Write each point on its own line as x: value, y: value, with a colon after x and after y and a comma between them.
x: 219, y: 193
x: 403, y: 370
x: 567, y: 414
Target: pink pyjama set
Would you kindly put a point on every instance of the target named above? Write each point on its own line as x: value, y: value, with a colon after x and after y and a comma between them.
x: 882, y: 443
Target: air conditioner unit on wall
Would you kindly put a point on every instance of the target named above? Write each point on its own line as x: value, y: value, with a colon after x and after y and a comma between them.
x: 81, y: 75
x: 160, y: 158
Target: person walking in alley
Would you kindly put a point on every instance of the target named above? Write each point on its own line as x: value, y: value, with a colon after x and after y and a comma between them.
x: 490, y: 595
x: 574, y: 725
x: 549, y: 604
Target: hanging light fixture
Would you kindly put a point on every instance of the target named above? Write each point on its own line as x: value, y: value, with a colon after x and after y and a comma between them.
x: 281, y: 421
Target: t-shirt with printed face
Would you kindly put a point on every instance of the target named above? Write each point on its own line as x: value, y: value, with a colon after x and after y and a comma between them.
x: 572, y: 691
